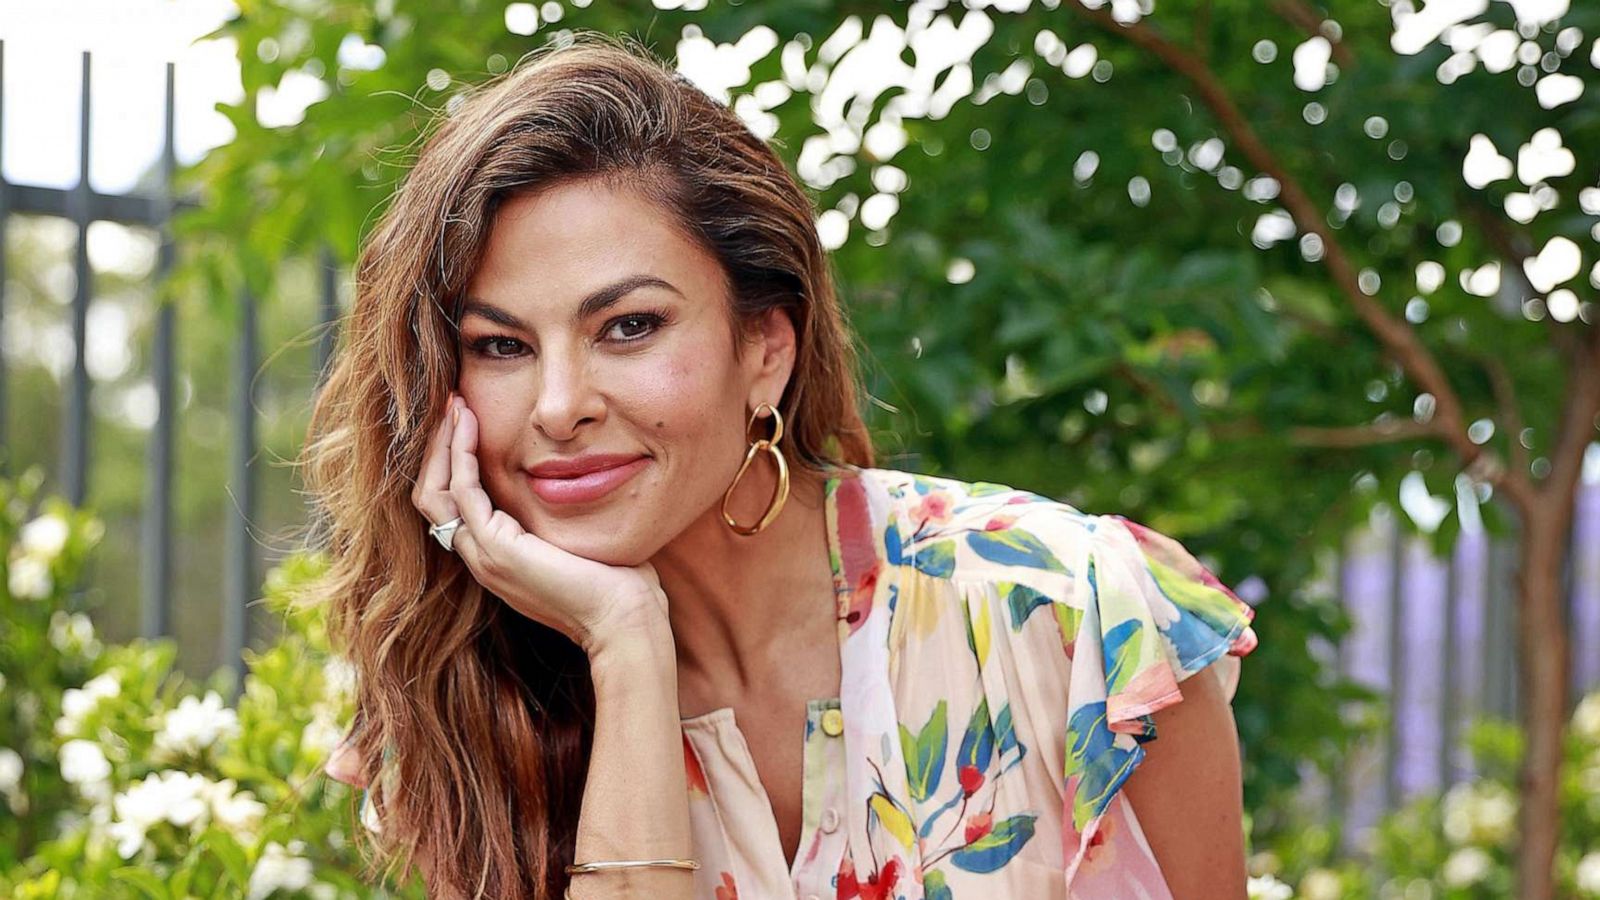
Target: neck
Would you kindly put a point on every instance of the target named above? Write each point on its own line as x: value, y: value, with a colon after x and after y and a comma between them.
x: 732, y: 598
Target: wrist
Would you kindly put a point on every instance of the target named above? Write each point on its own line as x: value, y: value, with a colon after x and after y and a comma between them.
x: 640, y: 639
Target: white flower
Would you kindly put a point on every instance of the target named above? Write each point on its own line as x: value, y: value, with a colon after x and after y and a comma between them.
x: 280, y: 868
x: 30, y: 578
x: 1587, y: 875
x: 83, y: 763
x: 196, y: 725
x: 10, y: 771
x: 1482, y: 813
x: 1466, y: 867
x: 322, y: 733
x: 73, y: 633
x: 1586, y: 718
x: 172, y: 796
x: 1264, y: 863
x: 1321, y: 884
x: 44, y: 537
x: 102, y: 686
x: 1497, y: 815
x: 323, y: 891
x: 238, y: 812
x: 77, y: 703
x: 340, y: 677
x: 1266, y: 887
x: 129, y: 838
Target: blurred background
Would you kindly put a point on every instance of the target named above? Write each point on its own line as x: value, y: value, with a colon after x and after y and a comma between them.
x: 1310, y: 287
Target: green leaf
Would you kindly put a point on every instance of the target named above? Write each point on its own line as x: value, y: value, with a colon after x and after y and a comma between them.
x: 925, y: 753
x: 1014, y: 547
x: 996, y: 848
x: 977, y: 745
x: 229, y: 853
x: 1022, y: 601
x: 145, y: 880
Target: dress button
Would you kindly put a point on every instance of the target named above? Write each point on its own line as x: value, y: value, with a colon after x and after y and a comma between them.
x: 833, y: 722
x: 830, y: 820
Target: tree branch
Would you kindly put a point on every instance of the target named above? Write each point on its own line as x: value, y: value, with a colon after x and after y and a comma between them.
x: 1577, y: 426
x: 1387, y: 431
x: 1399, y: 340
x: 1308, y: 20
x: 1510, y: 413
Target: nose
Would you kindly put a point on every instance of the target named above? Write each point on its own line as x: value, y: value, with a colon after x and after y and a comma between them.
x: 566, y: 395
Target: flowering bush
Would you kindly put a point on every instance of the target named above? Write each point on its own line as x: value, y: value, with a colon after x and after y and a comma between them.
x: 43, y: 647
x: 1457, y: 845
x: 124, y: 778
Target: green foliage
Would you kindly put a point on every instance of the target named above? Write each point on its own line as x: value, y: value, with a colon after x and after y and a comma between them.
x: 1460, y: 844
x: 131, y: 779
x: 1028, y: 324
x: 43, y: 648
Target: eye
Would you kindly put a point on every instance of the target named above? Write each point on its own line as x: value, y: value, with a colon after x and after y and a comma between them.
x: 639, y: 325
x: 483, y: 346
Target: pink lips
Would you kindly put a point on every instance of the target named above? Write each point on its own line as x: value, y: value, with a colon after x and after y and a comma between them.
x: 588, y: 486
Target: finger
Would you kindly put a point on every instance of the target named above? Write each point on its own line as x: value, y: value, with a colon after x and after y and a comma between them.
x: 472, y: 503
x: 431, y: 495
x: 435, y: 475
x: 344, y: 764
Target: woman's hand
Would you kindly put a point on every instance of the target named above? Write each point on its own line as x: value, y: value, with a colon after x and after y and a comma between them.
x: 588, y: 601
x: 344, y: 763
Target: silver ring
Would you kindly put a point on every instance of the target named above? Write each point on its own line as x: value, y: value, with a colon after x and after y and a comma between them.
x: 446, y: 533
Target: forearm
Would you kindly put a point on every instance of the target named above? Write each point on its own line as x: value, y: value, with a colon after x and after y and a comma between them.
x: 635, y: 800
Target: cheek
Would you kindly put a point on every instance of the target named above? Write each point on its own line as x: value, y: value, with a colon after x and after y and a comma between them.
x: 680, y: 396
x: 499, y: 406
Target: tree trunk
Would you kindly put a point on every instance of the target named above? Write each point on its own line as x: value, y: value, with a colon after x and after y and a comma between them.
x: 1543, y: 652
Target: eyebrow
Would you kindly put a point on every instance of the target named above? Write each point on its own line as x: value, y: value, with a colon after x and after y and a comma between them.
x: 596, y: 302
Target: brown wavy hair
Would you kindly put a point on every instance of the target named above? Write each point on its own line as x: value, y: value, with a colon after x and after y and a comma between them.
x: 475, y: 723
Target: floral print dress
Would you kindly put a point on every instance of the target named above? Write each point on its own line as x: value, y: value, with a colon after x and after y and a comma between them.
x: 1002, y: 654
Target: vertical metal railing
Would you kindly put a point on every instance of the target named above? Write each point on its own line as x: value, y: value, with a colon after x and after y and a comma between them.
x: 155, y: 570
x: 327, y: 313
x: 239, y: 575
x: 75, y: 439
x: 83, y: 206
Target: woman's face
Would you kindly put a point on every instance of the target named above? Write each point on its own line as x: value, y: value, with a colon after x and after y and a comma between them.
x: 593, y: 327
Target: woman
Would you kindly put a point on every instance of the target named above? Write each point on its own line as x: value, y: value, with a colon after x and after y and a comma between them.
x: 675, y: 620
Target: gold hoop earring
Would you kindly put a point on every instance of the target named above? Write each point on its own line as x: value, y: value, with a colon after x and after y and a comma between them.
x: 781, y: 495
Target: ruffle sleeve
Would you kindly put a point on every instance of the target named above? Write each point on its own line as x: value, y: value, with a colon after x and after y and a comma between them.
x: 1142, y: 615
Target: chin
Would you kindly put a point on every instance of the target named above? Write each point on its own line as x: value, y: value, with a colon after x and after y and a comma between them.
x: 597, y: 543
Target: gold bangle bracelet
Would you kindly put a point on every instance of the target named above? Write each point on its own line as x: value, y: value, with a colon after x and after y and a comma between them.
x: 603, y: 865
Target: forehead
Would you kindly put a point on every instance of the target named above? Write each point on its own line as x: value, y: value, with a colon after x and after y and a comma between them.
x: 555, y: 245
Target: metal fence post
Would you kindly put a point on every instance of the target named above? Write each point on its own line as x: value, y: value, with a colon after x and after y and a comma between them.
x: 155, y: 570
x: 75, y: 442
x: 240, y: 582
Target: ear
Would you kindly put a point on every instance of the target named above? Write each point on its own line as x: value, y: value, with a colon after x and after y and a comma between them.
x: 771, y: 359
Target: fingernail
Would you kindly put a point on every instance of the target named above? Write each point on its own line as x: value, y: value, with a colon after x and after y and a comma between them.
x: 455, y: 416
